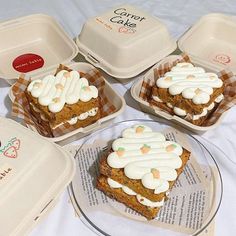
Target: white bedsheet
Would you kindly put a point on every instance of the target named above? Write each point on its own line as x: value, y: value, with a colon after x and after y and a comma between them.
x: 178, y: 16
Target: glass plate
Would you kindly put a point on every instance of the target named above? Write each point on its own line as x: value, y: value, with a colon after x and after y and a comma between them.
x: 108, y: 218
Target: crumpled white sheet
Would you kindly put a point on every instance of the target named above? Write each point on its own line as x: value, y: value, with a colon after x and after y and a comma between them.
x: 178, y: 16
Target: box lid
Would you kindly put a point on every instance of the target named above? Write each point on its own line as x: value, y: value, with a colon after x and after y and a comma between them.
x: 33, y: 172
x: 211, y: 42
x: 124, y: 41
x: 32, y: 44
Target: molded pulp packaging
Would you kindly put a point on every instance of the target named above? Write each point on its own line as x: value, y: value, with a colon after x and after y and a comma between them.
x: 135, y: 90
x: 33, y: 174
x: 124, y: 41
x: 115, y: 99
x: 210, y: 44
x: 32, y: 44
x: 40, y: 47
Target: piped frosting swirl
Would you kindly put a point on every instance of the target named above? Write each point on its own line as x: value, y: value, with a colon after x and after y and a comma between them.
x: 146, y: 155
x: 192, y: 82
x: 64, y: 88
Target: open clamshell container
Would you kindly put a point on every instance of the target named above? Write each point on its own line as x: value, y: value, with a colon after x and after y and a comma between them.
x: 33, y: 174
x: 38, y: 51
x: 32, y: 44
x: 115, y: 99
x: 135, y: 91
x: 124, y: 41
x: 209, y: 43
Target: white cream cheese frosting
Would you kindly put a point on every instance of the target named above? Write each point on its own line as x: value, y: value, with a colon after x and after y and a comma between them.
x: 64, y: 88
x: 148, y: 156
x: 192, y: 82
x: 144, y: 201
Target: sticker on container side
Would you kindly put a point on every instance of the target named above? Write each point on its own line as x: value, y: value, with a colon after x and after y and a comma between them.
x: 10, y: 148
x: 221, y: 58
x: 6, y: 171
x: 123, y: 20
x: 27, y: 62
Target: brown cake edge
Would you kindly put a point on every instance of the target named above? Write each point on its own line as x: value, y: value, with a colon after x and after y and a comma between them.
x: 183, y: 103
x: 130, y: 201
x: 136, y: 185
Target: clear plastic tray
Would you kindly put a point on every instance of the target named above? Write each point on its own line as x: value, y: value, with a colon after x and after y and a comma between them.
x: 106, y: 223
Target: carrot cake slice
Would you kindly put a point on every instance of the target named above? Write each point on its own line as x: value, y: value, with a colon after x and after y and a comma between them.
x: 141, y: 168
x: 187, y: 90
x: 63, y: 98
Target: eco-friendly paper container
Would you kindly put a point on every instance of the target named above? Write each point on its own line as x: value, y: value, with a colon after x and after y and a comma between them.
x: 124, y: 41
x: 32, y: 44
x: 33, y: 174
x: 114, y: 97
x: 135, y: 91
x: 211, y: 42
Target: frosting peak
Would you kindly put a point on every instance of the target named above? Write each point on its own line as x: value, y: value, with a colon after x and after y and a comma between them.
x: 65, y: 87
x: 148, y: 156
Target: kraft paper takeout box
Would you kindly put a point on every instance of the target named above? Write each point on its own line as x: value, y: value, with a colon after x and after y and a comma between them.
x: 209, y: 44
x: 33, y: 174
x: 36, y: 45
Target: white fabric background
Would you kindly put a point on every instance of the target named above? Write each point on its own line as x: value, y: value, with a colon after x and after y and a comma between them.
x: 178, y: 16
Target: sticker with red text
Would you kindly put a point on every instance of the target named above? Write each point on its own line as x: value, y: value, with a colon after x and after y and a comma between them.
x: 27, y: 62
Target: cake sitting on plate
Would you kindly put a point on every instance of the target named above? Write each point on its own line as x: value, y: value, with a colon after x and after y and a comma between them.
x: 63, y: 98
x: 188, y: 91
x: 141, y: 168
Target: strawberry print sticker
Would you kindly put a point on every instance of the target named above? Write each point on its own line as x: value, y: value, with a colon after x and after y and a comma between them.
x: 126, y: 30
x: 10, y: 149
x: 11, y: 152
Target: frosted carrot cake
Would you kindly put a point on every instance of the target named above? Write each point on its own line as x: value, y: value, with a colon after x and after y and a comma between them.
x: 187, y: 90
x: 63, y: 98
x: 141, y: 168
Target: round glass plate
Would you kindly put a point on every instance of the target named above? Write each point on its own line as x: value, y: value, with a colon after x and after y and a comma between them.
x: 192, y: 204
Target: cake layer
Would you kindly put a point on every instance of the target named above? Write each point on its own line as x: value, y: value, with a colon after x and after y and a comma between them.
x: 129, y: 200
x: 72, y: 121
x: 118, y: 175
x: 196, y: 119
x: 68, y: 112
x: 184, y: 103
x: 187, y: 87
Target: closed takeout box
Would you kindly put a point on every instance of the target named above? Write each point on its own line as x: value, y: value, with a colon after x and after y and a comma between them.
x: 124, y: 41
x: 33, y: 174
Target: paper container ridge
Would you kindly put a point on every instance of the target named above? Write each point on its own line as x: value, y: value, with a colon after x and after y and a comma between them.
x: 36, y: 173
x: 41, y: 44
x: 124, y: 41
x: 211, y: 42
